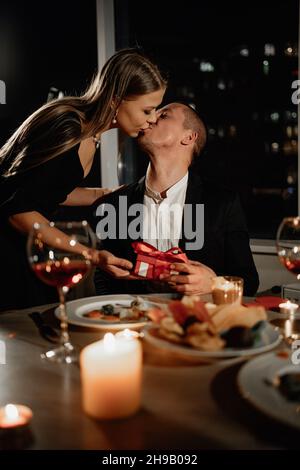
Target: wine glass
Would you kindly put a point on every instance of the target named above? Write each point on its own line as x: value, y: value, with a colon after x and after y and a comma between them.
x: 288, y: 244
x: 288, y: 249
x: 60, y: 254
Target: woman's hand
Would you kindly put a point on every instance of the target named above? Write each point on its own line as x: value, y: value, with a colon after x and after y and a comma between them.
x: 100, y: 192
x: 86, y: 196
x: 117, y: 267
x: 193, y: 278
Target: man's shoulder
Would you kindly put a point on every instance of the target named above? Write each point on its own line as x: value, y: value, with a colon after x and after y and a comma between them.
x: 211, y: 189
x: 219, y: 189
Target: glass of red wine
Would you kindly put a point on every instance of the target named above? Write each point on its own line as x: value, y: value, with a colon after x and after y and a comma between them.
x: 288, y: 244
x: 60, y: 254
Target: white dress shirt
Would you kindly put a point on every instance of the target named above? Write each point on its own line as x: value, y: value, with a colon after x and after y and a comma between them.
x: 162, y: 216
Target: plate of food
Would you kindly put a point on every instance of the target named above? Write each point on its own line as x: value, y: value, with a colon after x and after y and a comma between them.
x: 201, y: 329
x: 110, y: 311
x: 271, y: 383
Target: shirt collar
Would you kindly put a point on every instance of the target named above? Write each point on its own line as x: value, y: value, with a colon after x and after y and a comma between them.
x: 156, y: 196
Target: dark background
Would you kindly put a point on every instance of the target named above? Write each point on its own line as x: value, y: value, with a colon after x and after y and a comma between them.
x: 240, y: 154
x: 44, y: 45
x: 54, y: 45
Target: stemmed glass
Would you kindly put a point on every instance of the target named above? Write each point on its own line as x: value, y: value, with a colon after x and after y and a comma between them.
x: 288, y: 244
x: 60, y: 254
x: 288, y: 250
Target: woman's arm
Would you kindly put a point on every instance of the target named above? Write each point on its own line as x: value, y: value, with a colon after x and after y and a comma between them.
x: 84, y: 196
x: 24, y: 222
x: 53, y: 237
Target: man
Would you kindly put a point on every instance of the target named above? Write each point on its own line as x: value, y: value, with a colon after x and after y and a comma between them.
x: 172, y: 142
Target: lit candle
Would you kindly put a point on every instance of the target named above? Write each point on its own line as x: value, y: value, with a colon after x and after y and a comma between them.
x: 111, y: 372
x: 288, y: 307
x: 14, y: 416
x: 227, y: 289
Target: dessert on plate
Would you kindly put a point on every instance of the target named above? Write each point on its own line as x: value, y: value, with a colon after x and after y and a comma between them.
x: 206, y: 326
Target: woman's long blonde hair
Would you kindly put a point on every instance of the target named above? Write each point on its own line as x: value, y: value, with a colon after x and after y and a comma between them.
x: 62, y: 123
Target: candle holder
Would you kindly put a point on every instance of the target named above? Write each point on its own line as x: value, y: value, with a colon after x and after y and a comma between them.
x: 288, y: 308
x: 15, y: 432
x: 227, y: 289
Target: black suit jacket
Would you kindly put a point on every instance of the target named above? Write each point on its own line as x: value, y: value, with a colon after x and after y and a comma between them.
x: 226, y: 241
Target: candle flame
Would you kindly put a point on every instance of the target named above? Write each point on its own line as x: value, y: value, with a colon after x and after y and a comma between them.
x: 127, y: 334
x: 227, y: 285
x: 109, y: 342
x: 11, y: 412
x: 289, y: 305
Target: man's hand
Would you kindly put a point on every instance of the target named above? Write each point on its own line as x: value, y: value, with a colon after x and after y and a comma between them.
x: 193, y: 278
x: 117, y: 267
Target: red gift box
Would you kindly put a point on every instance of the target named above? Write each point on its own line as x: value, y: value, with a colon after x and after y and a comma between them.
x: 151, y: 263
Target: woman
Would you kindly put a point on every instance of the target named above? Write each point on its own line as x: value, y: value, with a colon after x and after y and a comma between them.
x: 45, y: 160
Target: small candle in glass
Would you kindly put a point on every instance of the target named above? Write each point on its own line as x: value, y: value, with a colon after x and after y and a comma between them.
x: 227, y: 289
x: 288, y: 307
x: 14, y: 416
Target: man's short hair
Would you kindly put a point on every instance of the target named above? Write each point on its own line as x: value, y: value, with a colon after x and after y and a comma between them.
x: 193, y: 121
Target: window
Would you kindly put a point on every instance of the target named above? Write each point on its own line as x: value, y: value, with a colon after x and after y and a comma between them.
x: 236, y: 63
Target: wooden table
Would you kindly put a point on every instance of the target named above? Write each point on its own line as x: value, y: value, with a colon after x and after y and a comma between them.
x: 184, y: 406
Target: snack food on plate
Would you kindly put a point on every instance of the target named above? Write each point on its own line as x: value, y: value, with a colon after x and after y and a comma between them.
x: 118, y: 312
x: 206, y: 326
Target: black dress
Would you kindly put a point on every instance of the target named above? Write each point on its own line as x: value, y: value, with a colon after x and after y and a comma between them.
x: 40, y: 189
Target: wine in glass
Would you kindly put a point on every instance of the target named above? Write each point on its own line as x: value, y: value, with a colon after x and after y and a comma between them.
x: 288, y: 249
x: 288, y: 244
x: 60, y: 254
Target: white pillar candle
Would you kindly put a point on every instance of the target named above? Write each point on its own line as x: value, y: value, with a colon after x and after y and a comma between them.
x: 111, y: 373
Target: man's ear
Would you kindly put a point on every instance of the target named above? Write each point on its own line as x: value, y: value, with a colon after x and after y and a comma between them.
x: 190, y: 138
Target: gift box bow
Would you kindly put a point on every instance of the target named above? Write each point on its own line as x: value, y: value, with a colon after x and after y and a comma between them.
x: 152, y: 262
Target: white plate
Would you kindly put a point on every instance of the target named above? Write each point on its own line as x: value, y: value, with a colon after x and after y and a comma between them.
x: 254, y: 381
x: 269, y: 339
x: 77, y: 308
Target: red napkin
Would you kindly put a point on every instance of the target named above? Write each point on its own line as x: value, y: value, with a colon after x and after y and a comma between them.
x: 267, y: 301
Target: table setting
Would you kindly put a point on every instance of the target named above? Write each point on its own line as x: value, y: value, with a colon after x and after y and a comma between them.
x: 152, y: 370
x: 173, y: 387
